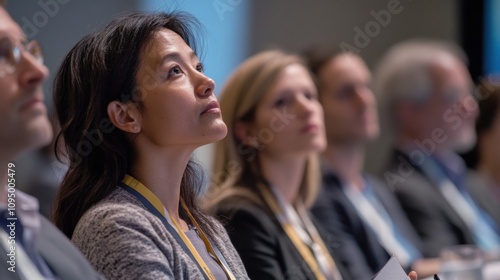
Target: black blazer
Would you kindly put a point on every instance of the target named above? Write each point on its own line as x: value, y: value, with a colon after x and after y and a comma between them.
x: 264, y: 247
x: 61, y: 255
x: 361, y: 251
x: 436, y: 222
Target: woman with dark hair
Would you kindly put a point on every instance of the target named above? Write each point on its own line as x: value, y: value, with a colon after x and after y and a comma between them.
x: 133, y: 104
x: 485, y: 156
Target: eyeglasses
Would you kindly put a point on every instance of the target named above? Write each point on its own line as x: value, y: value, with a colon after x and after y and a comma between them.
x: 10, y: 54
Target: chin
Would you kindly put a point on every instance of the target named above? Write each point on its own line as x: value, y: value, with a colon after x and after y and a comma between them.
x: 216, y: 133
x: 41, y: 137
x: 318, y: 146
x: 464, y: 142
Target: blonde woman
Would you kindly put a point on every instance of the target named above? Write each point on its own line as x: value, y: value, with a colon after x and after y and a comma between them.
x: 267, y: 169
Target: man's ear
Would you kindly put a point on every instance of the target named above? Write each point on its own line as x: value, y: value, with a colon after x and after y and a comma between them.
x: 244, y: 133
x: 125, y: 116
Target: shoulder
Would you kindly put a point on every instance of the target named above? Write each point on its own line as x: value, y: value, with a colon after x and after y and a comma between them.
x: 403, y: 176
x: 240, y: 209
x: 118, y: 221
x: 119, y: 208
x: 247, y: 220
x: 122, y: 239
x: 64, y: 258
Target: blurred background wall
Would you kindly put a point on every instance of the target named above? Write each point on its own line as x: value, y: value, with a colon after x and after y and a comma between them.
x: 236, y: 29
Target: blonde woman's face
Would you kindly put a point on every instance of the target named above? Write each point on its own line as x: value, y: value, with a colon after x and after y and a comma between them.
x: 289, y: 118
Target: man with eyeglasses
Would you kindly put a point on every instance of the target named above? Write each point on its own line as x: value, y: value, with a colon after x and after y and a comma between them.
x: 426, y: 91
x: 30, y: 246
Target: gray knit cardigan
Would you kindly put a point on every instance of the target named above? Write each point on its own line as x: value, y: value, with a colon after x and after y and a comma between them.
x: 123, y: 240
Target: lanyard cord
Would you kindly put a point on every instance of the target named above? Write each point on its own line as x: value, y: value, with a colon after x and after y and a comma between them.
x: 154, y: 205
x: 301, y: 247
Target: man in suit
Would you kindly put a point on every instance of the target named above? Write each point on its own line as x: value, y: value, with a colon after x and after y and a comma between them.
x: 30, y: 246
x: 427, y: 91
x: 355, y: 207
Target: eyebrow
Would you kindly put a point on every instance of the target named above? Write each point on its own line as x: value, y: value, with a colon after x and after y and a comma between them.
x: 13, y: 34
x: 177, y: 56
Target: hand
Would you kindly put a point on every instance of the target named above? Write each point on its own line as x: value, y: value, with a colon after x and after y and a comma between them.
x: 426, y: 267
x: 413, y: 275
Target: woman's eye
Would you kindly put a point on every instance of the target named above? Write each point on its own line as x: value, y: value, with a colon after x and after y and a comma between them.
x: 175, y: 71
x: 280, y: 102
x: 310, y: 96
x: 345, y: 92
x: 200, y: 68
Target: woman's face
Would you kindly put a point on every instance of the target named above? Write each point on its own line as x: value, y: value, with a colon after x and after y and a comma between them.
x: 289, y: 118
x: 178, y: 104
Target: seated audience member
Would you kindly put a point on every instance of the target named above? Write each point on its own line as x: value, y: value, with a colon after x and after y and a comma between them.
x: 427, y: 90
x: 354, y: 206
x: 484, y: 157
x: 267, y: 173
x: 44, y: 174
x: 30, y: 246
x: 133, y: 104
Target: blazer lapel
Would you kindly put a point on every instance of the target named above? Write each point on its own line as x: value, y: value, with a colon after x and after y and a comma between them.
x: 431, y: 190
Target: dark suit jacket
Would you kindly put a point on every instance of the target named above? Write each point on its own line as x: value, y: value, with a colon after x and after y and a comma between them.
x: 361, y: 251
x: 60, y: 254
x: 436, y: 222
x: 264, y: 247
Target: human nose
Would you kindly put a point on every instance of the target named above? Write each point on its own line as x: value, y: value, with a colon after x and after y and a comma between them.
x: 365, y: 97
x: 305, y: 106
x: 32, y: 72
x: 205, y: 86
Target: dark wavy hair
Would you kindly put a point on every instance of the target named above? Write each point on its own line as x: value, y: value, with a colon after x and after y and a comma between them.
x: 488, y: 94
x: 101, y: 68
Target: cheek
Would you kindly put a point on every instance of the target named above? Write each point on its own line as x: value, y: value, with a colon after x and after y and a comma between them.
x: 496, y: 135
x: 263, y: 120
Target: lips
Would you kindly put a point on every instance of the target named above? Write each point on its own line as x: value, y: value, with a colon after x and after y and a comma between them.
x: 212, y: 108
x: 31, y: 103
x: 309, y: 128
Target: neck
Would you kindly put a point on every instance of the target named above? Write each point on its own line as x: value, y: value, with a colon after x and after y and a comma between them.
x: 285, y: 175
x: 161, y: 172
x: 347, y: 161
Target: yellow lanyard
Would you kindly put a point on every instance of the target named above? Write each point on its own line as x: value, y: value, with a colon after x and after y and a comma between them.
x: 318, y: 240
x: 304, y: 251
x: 155, y: 201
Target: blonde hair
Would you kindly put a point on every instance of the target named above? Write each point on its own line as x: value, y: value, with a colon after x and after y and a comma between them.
x: 235, y: 169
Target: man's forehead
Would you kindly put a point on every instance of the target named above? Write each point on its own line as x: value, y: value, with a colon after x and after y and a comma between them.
x: 8, y: 27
